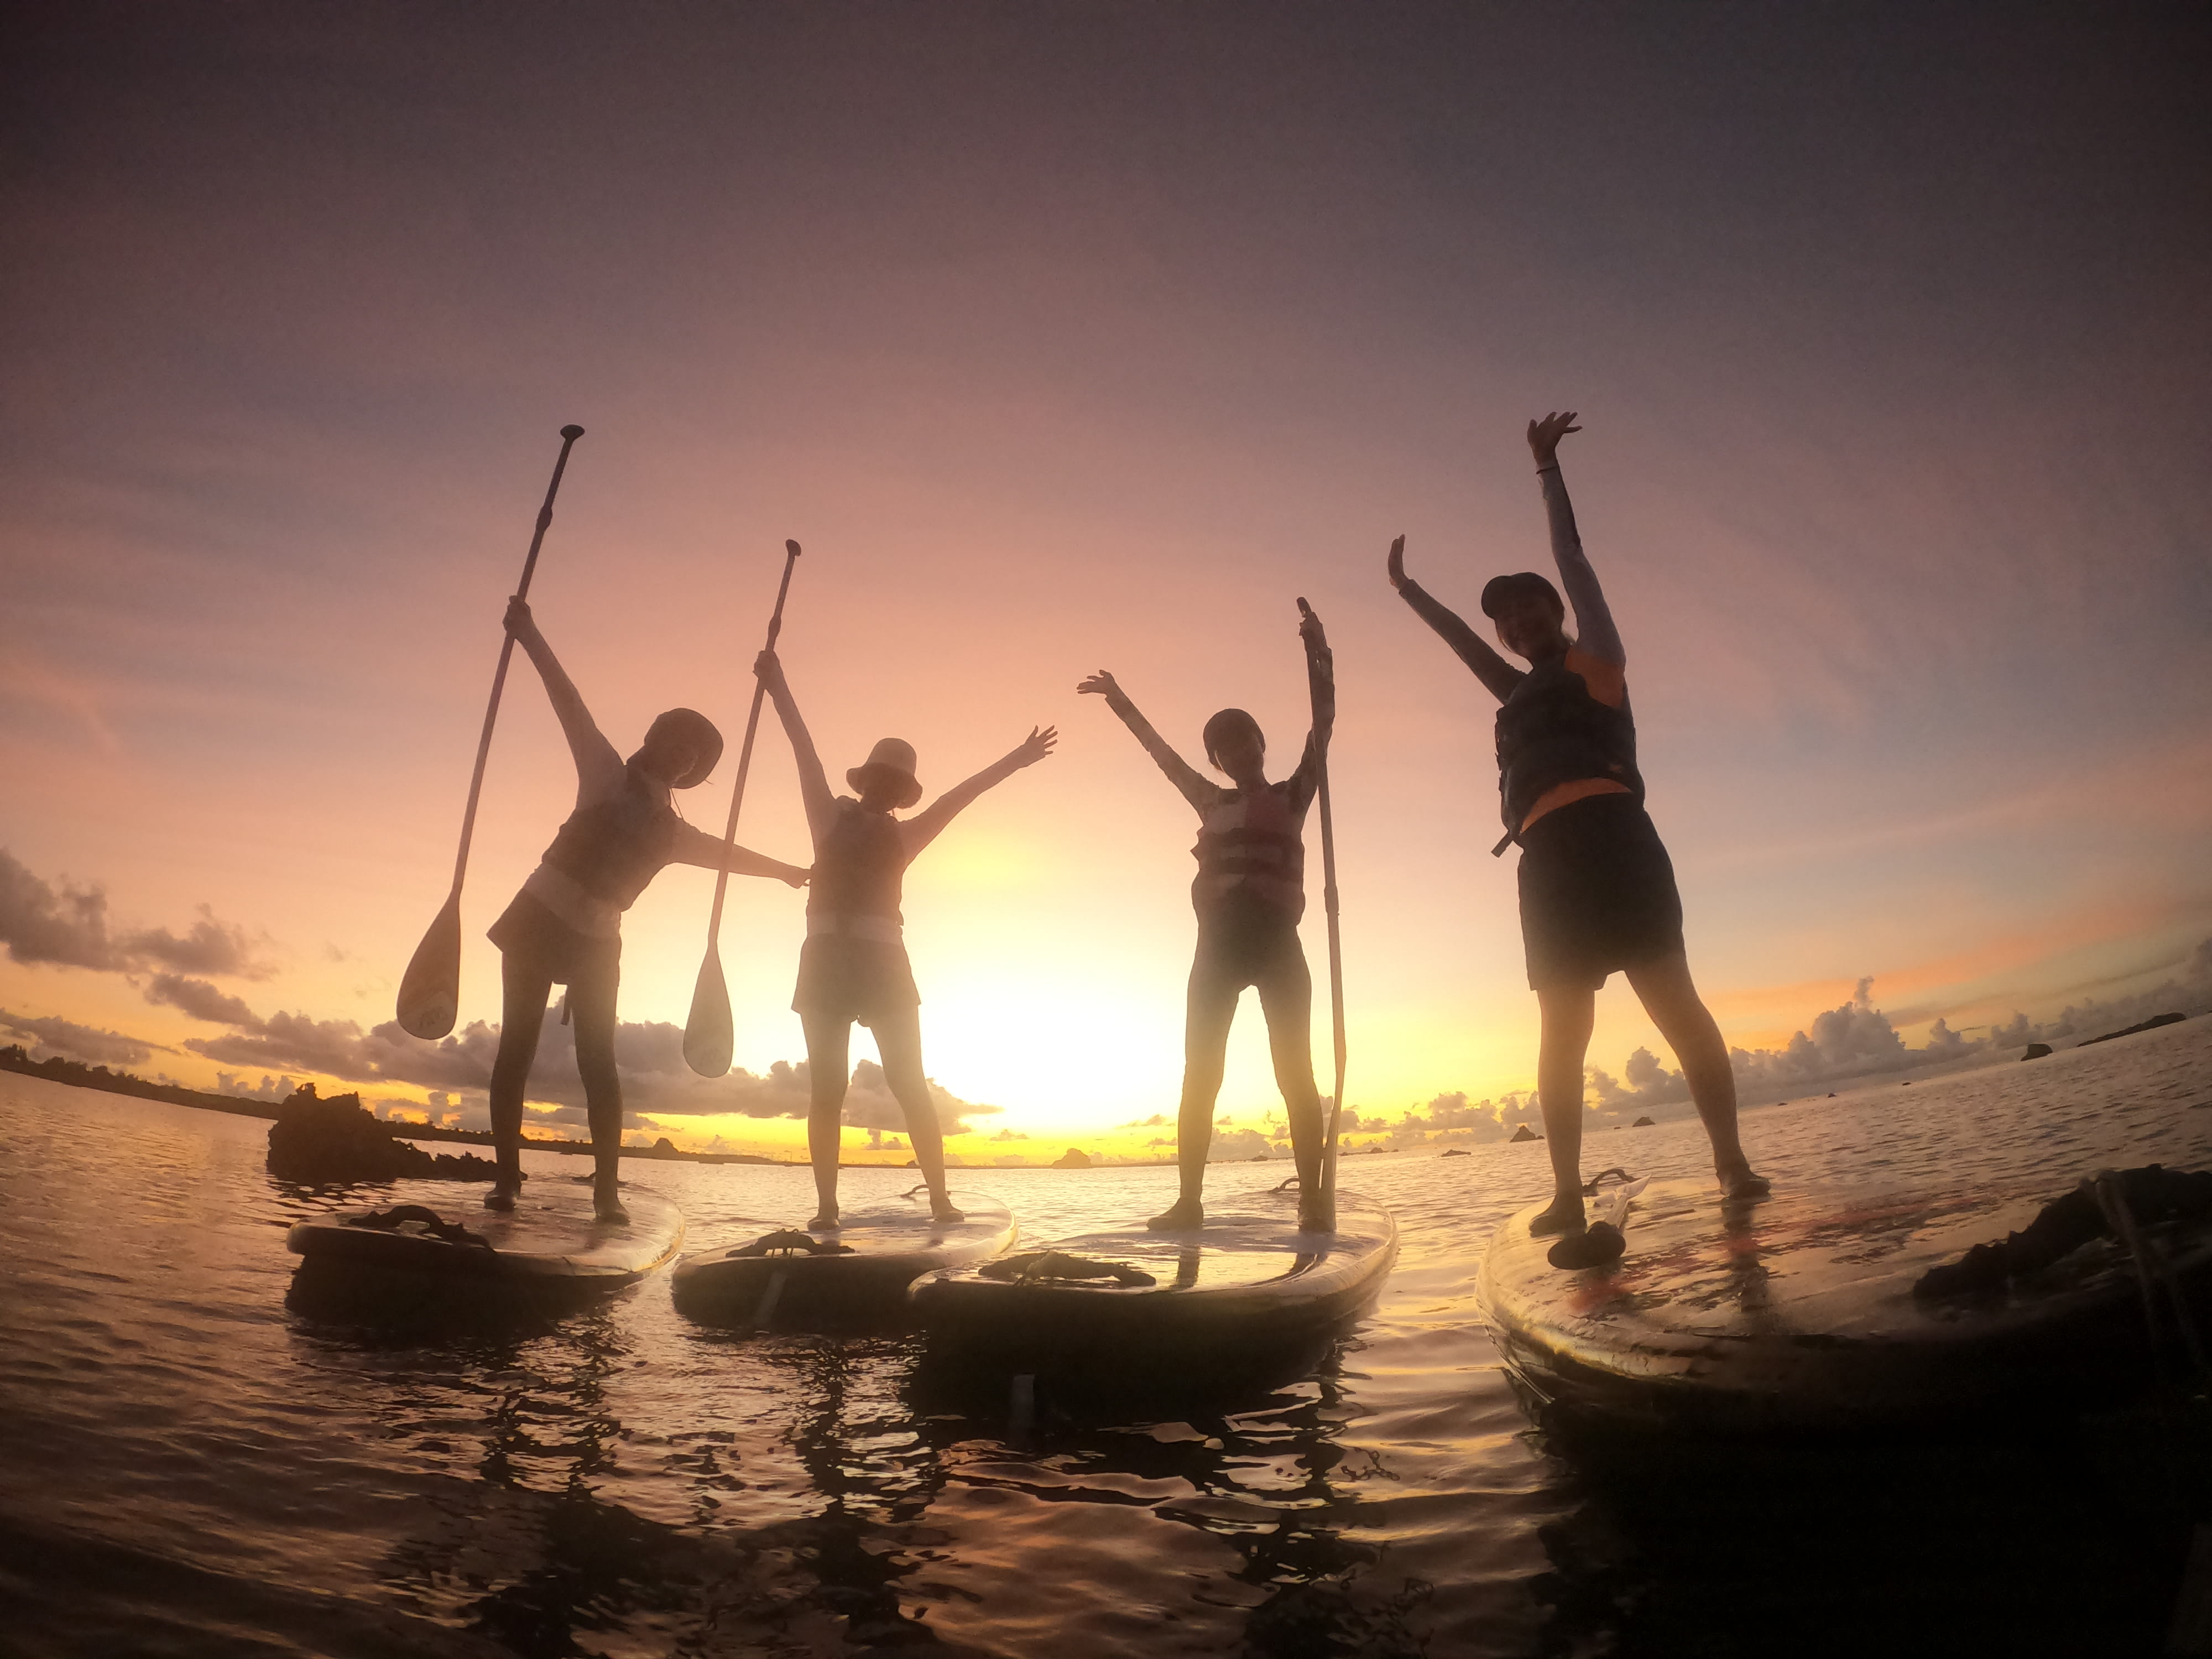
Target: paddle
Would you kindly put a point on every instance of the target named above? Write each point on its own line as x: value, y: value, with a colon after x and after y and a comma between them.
x: 1335, y: 940
x: 430, y: 990
x: 708, y: 1038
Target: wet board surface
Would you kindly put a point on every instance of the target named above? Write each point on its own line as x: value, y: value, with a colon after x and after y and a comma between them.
x: 1247, y: 1280
x: 551, y: 1239
x: 1798, y: 1312
x: 885, y: 1249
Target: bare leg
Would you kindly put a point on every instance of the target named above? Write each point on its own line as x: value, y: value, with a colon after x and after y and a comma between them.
x: 1568, y: 1012
x: 1286, y: 999
x: 592, y: 1012
x: 898, y: 1041
x: 1665, y: 988
x: 829, y: 1067
x: 1209, y: 1008
x: 522, y: 1016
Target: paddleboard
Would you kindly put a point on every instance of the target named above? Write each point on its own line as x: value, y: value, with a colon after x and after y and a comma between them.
x: 858, y: 1271
x: 1799, y: 1312
x: 1245, y: 1285
x: 551, y: 1242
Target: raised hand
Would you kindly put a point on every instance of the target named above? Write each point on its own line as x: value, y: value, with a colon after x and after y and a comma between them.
x: 767, y: 668
x: 1544, y: 435
x: 1310, y: 630
x: 1101, y: 684
x: 519, y: 621
x: 1034, y: 747
x: 1397, y: 564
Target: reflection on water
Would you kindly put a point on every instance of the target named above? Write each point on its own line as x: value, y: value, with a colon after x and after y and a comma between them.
x: 202, y: 1469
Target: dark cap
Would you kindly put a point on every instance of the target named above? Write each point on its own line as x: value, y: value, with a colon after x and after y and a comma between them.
x: 1498, y: 589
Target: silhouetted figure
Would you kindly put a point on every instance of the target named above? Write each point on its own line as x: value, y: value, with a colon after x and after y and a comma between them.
x: 1597, y: 888
x: 853, y: 965
x: 1249, y: 893
x: 564, y: 927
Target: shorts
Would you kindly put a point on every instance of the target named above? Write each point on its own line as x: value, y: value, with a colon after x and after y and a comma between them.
x: 1244, y: 939
x: 1597, y: 893
x: 840, y: 977
x: 530, y: 935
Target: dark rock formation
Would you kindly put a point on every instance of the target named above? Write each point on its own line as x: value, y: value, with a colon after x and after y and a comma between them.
x: 1524, y: 1132
x: 1072, y: 1159
x: 318, y: 1142
x: 1454, y: 1152
x: 2150, y: 1025
x: 2036, y: 1051
x: 1640, y: 1123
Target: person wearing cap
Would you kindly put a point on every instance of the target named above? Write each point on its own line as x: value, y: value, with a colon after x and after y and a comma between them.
x: 564, y: 927
x: 1597, y: 888
x: 1249, y: 892
x: 853, y: 965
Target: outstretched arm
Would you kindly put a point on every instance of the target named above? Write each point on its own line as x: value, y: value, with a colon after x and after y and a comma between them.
x: 1195, y: 788
x: 813, y: 786
x: 598, y: 764
x: 696, y: 846
x: 1492, y: 669
x: 1320, y: 679
x: 918, y: 831
x: 1594, y: 627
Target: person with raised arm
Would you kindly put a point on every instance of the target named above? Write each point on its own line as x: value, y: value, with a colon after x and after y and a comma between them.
x: 853, y: 965
x: 1597, y: 888
x: 1249, y: 892
x: 564, y: 927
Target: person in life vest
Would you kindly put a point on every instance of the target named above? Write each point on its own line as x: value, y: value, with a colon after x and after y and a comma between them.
x: 1249, y: 892
x: 564, y: 927
x: 853, y: 965
x: 1597, y: 888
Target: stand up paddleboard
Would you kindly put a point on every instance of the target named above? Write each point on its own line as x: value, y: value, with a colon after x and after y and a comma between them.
x: 1812, y: 1309
x: 549, y: 1244
x: 856, y: 1273
x: 1246, y: 1285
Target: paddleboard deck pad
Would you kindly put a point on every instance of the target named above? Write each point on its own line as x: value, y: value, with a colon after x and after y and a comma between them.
x: 550, y: 1243
x: 856, y: 1273
x: 1247, y: 1285
x: 1800, y: 1311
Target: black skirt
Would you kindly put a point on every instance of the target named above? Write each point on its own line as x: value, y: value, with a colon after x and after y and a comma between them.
x: 533, y: 936
x: 1597, y: 892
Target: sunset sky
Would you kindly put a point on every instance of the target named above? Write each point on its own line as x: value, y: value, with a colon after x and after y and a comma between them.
x: 1078, y: 335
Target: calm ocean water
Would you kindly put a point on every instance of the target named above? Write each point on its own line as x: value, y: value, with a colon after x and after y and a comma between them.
x: 190, y: 1468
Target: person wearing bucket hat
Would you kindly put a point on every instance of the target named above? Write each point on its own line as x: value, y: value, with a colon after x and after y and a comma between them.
x: 1249, y: 892
x: 1597, y: 888
x: 564, y: 927
x: 853, y: 966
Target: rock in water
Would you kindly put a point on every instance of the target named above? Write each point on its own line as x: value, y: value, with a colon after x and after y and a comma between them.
x: 1524, y: 1132
x: 318, y: 1141
x: 2036, y: 1051
x: 1073, y: 1158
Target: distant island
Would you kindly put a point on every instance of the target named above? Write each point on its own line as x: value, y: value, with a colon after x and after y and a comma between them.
x: 16, y: 1058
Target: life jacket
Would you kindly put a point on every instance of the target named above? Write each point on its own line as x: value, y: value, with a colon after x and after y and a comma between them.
x: 859, y: 868
x: 1252, y: 838
x: 1551, y: 730
x: 613, y: 848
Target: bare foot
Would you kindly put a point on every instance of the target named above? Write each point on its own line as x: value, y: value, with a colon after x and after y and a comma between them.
x: 1741, y: 1183
x: 607, y: 1205
x: 1185, y: 1215
x: 825, y: 1221
x: 945, y: 1213
x: 1316, y: 1215
x: 502, y: 1195
x: 1564, y: 1214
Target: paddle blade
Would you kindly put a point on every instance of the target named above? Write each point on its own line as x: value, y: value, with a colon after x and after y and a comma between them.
x: 706, y: 1035
x: 430, y: 990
